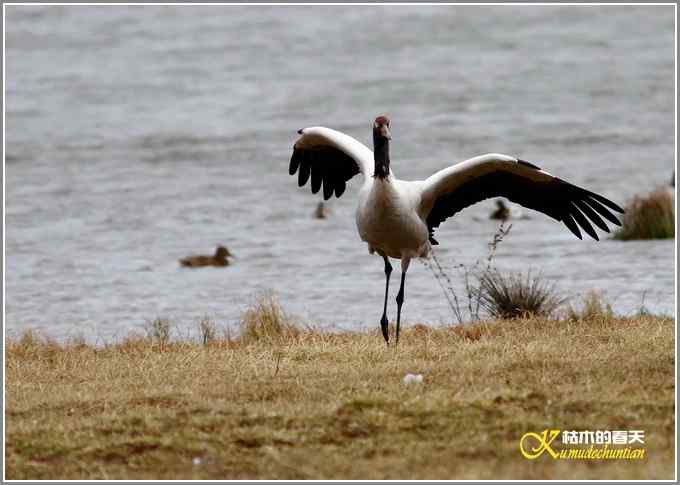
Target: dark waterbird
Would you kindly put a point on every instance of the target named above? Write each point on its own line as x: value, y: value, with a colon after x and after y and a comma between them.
x: 502, y: 211
x: 217, y: 259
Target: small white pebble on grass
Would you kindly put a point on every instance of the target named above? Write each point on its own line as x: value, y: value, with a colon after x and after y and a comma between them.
x: 196, y: 461
x: 413, y: 379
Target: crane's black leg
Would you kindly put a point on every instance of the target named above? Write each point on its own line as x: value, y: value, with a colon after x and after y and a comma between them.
x: 383, y: 320
x: 400, y: 301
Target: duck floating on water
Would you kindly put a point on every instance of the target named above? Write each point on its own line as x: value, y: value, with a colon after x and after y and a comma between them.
x: 502, y: 211
x: 321, y: 212
x: 218, y: 259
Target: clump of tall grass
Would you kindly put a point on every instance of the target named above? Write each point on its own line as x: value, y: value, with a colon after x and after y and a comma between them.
x: 266, y: 320
x: 649, y: 217
x: 207, y: 329
x: 470, y: 274
x: 158, y: 331
x: 593, y: 306
x: 516, y: 295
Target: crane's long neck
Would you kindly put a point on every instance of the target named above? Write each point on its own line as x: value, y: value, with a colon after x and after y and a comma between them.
x: 381, y: 156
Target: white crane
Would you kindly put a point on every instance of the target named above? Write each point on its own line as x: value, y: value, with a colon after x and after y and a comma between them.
x: 397, y: 218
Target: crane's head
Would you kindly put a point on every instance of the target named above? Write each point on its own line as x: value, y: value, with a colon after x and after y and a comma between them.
x: 381, y: 128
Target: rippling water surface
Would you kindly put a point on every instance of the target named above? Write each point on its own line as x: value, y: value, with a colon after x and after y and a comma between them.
x: 139, y: 135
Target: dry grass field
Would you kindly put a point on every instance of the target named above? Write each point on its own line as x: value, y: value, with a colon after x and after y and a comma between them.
x: 283, y: 403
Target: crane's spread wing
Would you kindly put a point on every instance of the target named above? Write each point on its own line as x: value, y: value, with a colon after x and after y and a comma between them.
x: 331, y: 158
x: 494, y: 175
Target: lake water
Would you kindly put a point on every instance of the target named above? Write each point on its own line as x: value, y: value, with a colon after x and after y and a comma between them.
x: 138, y: 135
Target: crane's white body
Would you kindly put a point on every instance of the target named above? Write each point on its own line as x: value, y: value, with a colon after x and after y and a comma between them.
x: 389, y: 220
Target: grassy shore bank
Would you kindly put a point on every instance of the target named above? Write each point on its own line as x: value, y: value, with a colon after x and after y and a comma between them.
x: 310, y: 405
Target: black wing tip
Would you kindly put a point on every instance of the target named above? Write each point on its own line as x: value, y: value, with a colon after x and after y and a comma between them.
x: 608, y: 203
x: 294, y: 163
x: 339, y: 190
x: 569, y: 221
x: 528, y: 164
x: 592, y: 215
x: 614, y: 206
x: 328, y: 192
